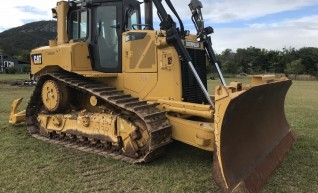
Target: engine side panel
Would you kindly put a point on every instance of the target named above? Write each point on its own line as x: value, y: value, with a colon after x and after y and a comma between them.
x: 71, y: 57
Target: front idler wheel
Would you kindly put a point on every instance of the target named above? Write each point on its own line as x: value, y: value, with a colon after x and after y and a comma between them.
x: 54, y: 96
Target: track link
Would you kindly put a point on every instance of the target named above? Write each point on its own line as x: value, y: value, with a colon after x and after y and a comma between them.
x: 156, y: 122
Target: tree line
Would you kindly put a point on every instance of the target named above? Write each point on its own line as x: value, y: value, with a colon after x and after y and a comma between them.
x: 255, y: 61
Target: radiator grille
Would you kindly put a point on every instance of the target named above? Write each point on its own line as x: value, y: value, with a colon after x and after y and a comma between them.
x: 191, y: 91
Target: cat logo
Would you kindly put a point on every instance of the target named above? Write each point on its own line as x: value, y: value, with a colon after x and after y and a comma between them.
x: 36, y: 58
x: 192, y: 44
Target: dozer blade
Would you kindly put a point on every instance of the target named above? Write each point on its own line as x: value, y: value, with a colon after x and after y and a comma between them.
x: 252, y: 136
x: 16, y: 117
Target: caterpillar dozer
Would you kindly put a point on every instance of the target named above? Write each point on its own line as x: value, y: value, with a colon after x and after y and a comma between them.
x: 112, y: 85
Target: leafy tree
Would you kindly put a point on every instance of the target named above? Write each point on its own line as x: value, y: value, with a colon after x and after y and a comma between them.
x: 309, y: 59
x: 295, y: 67
x: 26, y: 69
x: 209, y: 69
x: 242, y: 58
x: 271, y: 62
x: 24, y: 55
x: 229, y: 64
x: 11, y: 70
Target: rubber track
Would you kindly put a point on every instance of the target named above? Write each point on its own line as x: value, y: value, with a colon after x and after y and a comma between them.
x: 157, y: 124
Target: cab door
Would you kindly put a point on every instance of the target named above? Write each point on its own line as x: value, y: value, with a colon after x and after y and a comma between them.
x: 107, y: 26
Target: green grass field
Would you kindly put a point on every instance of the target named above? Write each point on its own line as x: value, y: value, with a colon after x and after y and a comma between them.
x: 10, y: 77
x: 29, y: 165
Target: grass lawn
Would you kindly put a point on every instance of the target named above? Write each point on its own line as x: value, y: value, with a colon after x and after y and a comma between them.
x: 10, y: 77
x: 29, y: 165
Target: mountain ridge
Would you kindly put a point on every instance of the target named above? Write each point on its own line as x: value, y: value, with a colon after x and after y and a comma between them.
x: 19, y: 41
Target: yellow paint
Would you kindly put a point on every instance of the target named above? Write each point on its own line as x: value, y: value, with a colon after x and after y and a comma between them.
x: 195, y: 133
x: 16, y: 117
x: 71, y: 57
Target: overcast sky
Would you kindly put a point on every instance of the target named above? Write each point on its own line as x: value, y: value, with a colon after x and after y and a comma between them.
x: 270, y: 24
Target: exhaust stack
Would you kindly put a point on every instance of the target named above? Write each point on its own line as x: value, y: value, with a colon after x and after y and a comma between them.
x: 148, y: 14
x: 60, y: 13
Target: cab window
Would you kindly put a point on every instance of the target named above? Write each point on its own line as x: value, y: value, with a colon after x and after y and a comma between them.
x: 78, y: 25
x: 133, y: 18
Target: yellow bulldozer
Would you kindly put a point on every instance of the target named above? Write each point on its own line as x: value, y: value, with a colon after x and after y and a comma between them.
x: 112, y: 84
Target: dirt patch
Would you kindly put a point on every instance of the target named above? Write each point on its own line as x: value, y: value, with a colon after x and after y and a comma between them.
x: 18, y: 82
x: 12, y: 82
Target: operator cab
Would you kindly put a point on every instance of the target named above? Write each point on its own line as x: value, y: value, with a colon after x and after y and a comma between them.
x: 101, y: 23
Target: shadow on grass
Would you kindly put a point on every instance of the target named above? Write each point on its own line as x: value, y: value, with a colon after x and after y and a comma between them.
x: 180, y: 152
x: 19, y: 126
